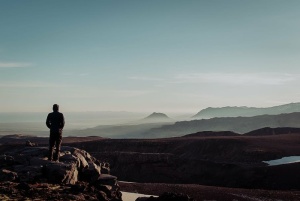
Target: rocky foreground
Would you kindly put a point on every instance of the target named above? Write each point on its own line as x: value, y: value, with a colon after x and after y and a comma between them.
x: 203, y: 167
x: 26, y: 174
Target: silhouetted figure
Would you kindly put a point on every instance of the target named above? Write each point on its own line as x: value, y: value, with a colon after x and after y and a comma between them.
x: 56, y: 122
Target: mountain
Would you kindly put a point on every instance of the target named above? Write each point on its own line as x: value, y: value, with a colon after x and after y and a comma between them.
x: 156, y: 118
x: 234, y: 124
x: 246, y: 111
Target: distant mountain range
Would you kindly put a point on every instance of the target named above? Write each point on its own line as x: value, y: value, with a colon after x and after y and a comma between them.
x: 246, y: 111
x: 158, y: 125
x: 235, y: 124
x: 239, y: 125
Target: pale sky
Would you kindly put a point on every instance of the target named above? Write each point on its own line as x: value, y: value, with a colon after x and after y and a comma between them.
x: 146, y: 56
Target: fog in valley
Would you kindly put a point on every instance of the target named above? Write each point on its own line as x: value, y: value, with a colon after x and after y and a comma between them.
x: 33, y: 123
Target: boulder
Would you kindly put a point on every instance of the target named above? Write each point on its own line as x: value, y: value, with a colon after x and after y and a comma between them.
x: 30, y: 166
x: 91, y: 173
x: 61, y: 173
x: 109, y: 182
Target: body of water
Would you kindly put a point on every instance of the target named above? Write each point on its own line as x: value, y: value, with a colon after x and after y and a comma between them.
x: 132, y: 196
x: 284, y: 160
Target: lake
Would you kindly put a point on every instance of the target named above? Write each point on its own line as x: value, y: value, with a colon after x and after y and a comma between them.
x: 132, y: 196
x: 284, y: 160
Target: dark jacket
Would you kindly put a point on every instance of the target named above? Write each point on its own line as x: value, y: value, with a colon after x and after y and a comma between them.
x: 56, y: 122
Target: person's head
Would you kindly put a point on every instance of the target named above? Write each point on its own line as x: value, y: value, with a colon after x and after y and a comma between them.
x: 55, y: 108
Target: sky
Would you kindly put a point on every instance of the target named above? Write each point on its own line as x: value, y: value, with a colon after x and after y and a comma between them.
x: 148, y: 56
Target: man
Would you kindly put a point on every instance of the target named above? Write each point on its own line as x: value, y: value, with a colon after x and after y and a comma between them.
x: 56, y: 122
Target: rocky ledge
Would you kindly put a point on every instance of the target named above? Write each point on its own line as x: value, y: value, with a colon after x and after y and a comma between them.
x: 25, y: 173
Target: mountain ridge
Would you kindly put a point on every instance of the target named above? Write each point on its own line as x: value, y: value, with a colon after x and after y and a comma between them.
x: 234, y: 124
x: 244, y: 111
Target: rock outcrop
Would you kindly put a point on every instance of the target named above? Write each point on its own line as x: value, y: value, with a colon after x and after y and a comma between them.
x: 77, y: 176
x: 243, y: 111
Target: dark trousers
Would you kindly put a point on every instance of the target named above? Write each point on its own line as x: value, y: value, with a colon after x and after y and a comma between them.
x: 55, y: 139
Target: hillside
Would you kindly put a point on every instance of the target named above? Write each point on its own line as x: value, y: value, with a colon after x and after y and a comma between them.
x: 246, y: 111
x: 211, y: 134
x: 273, y: 131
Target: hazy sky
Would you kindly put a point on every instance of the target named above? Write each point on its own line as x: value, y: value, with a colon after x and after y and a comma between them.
x: 154, y: 55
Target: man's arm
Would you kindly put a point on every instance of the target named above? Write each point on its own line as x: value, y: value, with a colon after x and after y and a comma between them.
x: 62, y: 123
x: 48, y: 123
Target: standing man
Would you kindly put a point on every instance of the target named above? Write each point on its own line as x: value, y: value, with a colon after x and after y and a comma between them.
x: 56, y: 122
